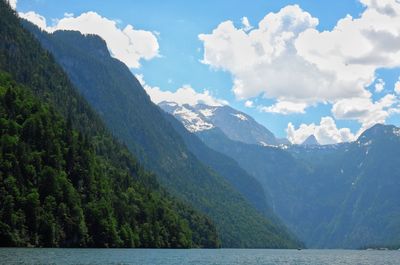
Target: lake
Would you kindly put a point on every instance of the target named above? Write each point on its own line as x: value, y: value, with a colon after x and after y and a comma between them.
x: 31, y: 256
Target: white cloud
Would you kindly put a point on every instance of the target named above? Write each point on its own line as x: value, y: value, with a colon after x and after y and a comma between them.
x: 363, y: 110
x: 140, y: 78
x: 379, y: 85
x: 287, y: 59
x: 266, y: 61
x: 397, y: 87
x: 184, y: 95
x: 129, y: 45
x: 35, y: 18
x: 13, y: 4
x: 66, y: 14
x: 325, y: 133
x: 246, y: 24
x: 249, y: 104
x: 382, y: 6
x: 285, y: 107
x: 298, y: 136
x: 356, y: 47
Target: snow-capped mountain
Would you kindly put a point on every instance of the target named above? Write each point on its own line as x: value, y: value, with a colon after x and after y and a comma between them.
x: 192, y: 119
x: 234, y: 124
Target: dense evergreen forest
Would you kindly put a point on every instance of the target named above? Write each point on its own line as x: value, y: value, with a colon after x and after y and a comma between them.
x: 64, y: 180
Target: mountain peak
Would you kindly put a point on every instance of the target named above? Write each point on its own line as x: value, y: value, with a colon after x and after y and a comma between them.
x: 194, y: 118
x: 235, y: 124
x: 379, y: 130
x: 90, y: 43
x: 310, y: 141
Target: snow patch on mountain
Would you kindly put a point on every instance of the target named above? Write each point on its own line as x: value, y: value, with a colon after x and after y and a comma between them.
x: 191, y: 120
x: 171, y: 104
x: 240, y: 116
x: 207, y: 112
x: 262, y: 143
x: 234, y: 124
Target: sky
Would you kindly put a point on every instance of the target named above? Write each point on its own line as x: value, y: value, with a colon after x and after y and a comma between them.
x: 328, y: 68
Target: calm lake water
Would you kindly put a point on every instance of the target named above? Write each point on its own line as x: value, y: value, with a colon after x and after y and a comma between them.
x: 196, y: 256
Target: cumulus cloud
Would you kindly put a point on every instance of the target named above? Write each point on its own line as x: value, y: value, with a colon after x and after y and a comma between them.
x: 379, y: 85
x: 129, y: 45
x: 249, y: 104
x: 264, y: 60
x: 36, y: 19
x: 66, y: 14
x: 356, y: 47
x: 246, y: 24
x: 325, y: 133
x: 382, y: 6
x: 364, y: 110
x: 286, y: 58
x: 397, y: 87
x: 285, y: 107
x: 183, y: 95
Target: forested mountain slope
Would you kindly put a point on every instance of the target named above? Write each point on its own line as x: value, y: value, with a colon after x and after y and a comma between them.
x: 64, y: 180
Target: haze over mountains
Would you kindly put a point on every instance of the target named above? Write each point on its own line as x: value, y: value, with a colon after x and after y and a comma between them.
x: 87, y: 159
x: 331, y: 196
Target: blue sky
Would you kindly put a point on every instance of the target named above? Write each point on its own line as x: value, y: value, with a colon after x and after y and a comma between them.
x: 177, y: 25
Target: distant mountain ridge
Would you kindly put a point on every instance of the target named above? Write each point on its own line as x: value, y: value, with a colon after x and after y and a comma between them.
x: 317, y: 189
x: 331, y: 196
x: 237, y: 125
x: 313, y: 187
x: 310, y: 141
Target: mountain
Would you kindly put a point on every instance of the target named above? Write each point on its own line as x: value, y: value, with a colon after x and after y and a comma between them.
x: 310, y: 141
x: 363, y: 188
x: 225, y: 166
x: 229, y: 168
x: 64, y: 180
x: 237, y: 125
x: 330, y: 196
x: 122, y: 103
x: 275, y: 168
